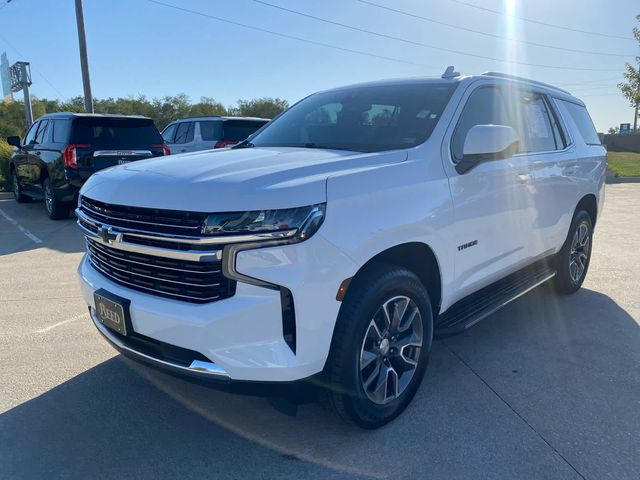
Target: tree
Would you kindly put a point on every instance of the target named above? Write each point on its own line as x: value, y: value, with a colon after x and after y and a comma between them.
x: 264, y: 107
x: 631, y: 88
x: 614, y: 130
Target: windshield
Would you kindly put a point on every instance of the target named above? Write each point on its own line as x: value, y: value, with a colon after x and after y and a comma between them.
x: 366, y: 119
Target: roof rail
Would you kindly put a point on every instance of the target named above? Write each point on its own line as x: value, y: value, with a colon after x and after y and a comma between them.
x: 523, y: 79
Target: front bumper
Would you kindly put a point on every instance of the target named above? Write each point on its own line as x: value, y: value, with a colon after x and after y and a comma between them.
x: 243, y: 335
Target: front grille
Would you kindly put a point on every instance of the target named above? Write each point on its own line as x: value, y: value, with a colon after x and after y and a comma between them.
x: 150, y: 220
x: 196, y: 282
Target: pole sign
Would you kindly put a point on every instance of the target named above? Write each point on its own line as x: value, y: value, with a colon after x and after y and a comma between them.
x: 625, y: 128
x: 4, y: 76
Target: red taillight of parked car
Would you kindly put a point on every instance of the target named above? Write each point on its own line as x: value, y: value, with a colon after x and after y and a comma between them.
x: 165, y: 148
x: 224, y: 143
x: 70, y: 157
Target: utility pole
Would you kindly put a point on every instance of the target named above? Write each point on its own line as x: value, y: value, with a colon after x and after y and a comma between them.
x: 84, y: 62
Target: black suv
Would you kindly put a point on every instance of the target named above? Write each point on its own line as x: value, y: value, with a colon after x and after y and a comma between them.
x: 61, y: 150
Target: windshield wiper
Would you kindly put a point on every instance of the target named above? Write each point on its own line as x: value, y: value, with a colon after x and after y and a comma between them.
x: 328, y: 147
x: 243, y: 144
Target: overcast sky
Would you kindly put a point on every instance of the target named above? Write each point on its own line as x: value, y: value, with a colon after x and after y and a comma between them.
x: 141, y: 47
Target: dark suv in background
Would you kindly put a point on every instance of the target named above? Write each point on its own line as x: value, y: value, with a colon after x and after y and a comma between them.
x: 61, y: 150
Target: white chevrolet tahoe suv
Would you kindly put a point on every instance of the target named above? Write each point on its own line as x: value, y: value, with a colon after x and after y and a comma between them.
x: 338, y: 240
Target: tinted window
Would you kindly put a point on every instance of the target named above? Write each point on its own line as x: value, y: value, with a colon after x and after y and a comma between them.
x: 184, y: 132
x: 115, y: 132
x: 42, y: 131
x: 31, y: 134
x: 238, y: 130
x: 485, y: 106
x: 583, y: 122
x: 61, y: 130
x: 532, y: 121
x: 169, y: 133
x: 364, y: 119
x: 211, y: 130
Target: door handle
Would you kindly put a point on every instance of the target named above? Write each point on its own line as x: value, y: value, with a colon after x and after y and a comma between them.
x: 525, y: 177
x: 37, y: 153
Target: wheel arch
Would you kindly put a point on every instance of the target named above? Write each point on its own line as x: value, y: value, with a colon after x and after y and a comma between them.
x: 417, y: 257
x: 589, y: 203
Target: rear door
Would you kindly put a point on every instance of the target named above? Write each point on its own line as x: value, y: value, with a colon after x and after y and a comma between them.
x: 102, y: 142
x: 184, y: 138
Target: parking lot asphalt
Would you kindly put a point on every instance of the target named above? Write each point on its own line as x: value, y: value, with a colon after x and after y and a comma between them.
x: 547, y: 388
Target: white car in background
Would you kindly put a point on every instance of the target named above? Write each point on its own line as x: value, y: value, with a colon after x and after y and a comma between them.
x: 342, y: 237
x: 204, y: 133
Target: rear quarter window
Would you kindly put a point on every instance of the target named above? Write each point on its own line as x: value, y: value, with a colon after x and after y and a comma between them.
x: 61, y: 131
x: 583, y: 122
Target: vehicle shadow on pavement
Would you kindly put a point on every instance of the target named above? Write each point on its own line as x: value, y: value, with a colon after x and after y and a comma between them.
x: 566, y: 365
x: 26, y: 227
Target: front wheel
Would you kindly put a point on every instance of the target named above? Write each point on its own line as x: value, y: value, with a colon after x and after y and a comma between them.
x: 381, y: 346
x: 17, y: 189
x: 55, y: 208
x: 572, y: 261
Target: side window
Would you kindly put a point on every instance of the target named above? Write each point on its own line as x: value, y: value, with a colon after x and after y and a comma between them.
x: 30, y: 137
x: 485, y: 106
x: 559, y: 130
x: 42, y: 131
x: 184, y: 133
x: 533, y: 123
x: 211, y: 130
x: 60, y: 132
x: 583, y: 122
x: 169, y: 132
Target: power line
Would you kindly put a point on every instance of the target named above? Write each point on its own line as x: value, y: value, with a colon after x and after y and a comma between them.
x: 426, y: 45
x: 538, y: 22
x: 618, y: 77
x: 493, y: 35
x: 285, y: 35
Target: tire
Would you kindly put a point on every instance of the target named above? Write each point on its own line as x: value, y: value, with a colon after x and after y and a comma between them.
x: 572, y: 261
x: 359, y: 349
x: 17, y: 189
x: 55, y: 208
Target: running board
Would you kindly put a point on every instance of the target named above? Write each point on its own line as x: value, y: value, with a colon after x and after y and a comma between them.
x: 479, y: 305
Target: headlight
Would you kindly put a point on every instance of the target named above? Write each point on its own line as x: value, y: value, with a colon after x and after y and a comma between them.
x: 298, y: 223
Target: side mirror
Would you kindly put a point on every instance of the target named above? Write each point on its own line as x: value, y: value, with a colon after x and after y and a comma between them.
x: 484, y: 143
x: 14, y: 141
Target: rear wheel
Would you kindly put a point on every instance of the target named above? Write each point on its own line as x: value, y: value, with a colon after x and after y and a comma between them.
x: 380, y: 347
x: 17, y: 189
x: 572, y: 261
x: 55, y: 208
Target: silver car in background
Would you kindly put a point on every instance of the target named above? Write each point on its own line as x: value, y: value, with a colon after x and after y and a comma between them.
x: 203, y: 133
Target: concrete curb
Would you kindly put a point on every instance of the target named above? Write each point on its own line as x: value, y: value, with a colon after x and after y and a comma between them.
x: 611, y: 180
x: 6, y: 195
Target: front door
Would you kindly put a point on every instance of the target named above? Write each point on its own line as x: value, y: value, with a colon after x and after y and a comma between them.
x: 493, y: 203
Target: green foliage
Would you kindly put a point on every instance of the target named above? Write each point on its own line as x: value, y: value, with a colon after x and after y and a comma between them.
x: 260, y: 107
x: 631, y: 88
x: 163, y: 110
x: 625, y: 164
x: 5, y: 157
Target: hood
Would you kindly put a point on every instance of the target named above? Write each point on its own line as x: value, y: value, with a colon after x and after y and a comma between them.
x: 230, y: 180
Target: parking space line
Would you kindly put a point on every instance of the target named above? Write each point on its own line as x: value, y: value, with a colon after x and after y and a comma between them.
x: 59, y: 324
x: 27, y: 233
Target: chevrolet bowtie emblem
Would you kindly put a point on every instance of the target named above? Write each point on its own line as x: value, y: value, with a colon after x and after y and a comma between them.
x: 108, y: 235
